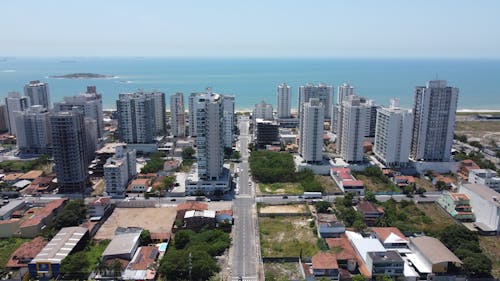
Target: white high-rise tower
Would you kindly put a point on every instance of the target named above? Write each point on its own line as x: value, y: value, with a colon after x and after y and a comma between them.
x: 177, y: 115
x: 284, y: 103
x: 38, y: 93
x: 311, y: 131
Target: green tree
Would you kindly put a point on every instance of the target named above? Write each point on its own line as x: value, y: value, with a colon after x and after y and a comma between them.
x: 187, y: 153
x: 236, y: 155
x: 322, y: 206
x: 182, y: 238
x: 370, y: 196
x: 154, y: 164
x: 168, y: 182
x: 359, y: 224
x: 358, y: 277
x: 74, y: 265
x: 145, y: 238
x: 72, y: 214
x: 441, y: 185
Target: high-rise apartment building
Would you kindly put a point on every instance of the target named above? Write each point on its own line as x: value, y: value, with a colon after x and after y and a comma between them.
x: 284, y: 101
x: 209, y: 117
x: 119, y: 170
x: 322, y: 92
x: 311, y: 130
x: 38, y: 93
x: 15, y: 102
x: 434, y: 111
x: 136, y: 118
x: 160, y: 114
x: 4, y: 120
x: 33, y: 131
x: 351, y: 128
x: 344, y: 90
x: 70, y: 150
x: 177, y: 115
x: 228, y: 113
x: 262, y: 110
x: 393, y: 135
x: 91, y: 104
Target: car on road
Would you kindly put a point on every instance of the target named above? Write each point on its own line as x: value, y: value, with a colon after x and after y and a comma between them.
x: 285, y: 197
x: 173, y: 199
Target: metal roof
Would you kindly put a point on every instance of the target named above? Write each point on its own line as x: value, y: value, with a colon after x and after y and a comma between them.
x: 61, y: 245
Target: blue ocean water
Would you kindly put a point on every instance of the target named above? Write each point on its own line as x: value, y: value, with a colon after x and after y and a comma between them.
x: 253, y: 80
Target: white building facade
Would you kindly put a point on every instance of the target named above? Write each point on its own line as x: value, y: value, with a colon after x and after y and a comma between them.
x: 33, y: 131
x: 434, y: 111
x: 177, y: 115
x: 118, y: 171
x: 228, y: 113
x: 486, y: 177
x: 284, y: 101
x: 263, y: 111
x: 352, y: 124
x: 136, y: 118
x: 38, y: 93
x: 393, y: 135
x: 311, y: 131
x: 15, y: 102
x: 322, y: 92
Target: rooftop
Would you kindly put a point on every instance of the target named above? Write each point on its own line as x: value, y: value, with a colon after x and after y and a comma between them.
x: 192, y: 205
x: 205, y: 213
x: 13, y: 204
x: 101, y: 201
x: 367, y: 207
x: 389, y: 234
x: 12, y: 176
x: 342, y: 248
x: 110, y: 148
x: 144, y: 182
x: 389, y: 256
x: 324, y: 260
x: 61, y: 245
x: 364, y: 245
x: 31, y: 175
x: 145, y: 256
x: 44, y: 212
x: 122, y: 244
x: 459, y: 197
x: 433, y: 250
x: 483, y: 191
x: 27, y: 251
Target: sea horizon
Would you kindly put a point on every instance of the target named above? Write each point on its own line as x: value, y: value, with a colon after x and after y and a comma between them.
x: 253, y: 79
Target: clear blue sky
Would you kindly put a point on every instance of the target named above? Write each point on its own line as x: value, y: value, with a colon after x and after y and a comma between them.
x: 350, y: 28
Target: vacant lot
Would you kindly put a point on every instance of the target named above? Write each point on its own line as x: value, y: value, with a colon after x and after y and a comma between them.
x: 427, y: 185
x: 278, y: 269
x: 7, y: 247
x: 375, y: 184
x: 328, y: 183
x: 281, y: 188
x: 491, y: 247
x: 440, y: 219
x: 478, y: 126
x: 283, y: 209
x: 153, y: 219
x: 287, y: 236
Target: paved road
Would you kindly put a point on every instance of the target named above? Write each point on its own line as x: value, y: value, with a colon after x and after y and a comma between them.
x: 331, y: 198
x: 245, y: 260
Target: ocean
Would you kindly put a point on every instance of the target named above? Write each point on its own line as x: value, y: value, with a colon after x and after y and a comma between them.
x: 254, y: 80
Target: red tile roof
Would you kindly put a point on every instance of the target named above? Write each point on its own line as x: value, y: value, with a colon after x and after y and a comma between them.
x: 26, y: 251
x: 44, y: 213
x: 342, y: 247
x: 324, y: 260
x: 101, y: 201
x: 145, y: 257
x: 459, y: 196
x: 31, y: 175
x: 12, y: 176
x: 224, y: 212
x: 367, y: 207
x: 384, y: 232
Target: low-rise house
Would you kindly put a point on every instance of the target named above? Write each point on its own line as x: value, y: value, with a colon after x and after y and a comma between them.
x: 449, y: 182
x: 9, y: 227
x: 124, y: 244
x: 190, y: 205
x: 13, y: 205
x: 142, y: 265
x: 465, y: 167
x: 371, y: 213
x: 431, y: 256
x: 457, y: 205
x: 346, y: 256
x: 171, y: 165
x: 324, y: 264
x: 23, y: 255
x: 224, y: 216
x: 485, y: 204
x: 403, y: 181
x: 390, y: 237
x: 139, y: 185
x: 99, y: 207
x: 486, y: 177
x: 12, y: 178
x: 388, y: 263
x: 346, y: 181
x: 40, y: 185
x: 197, y: 220
x: 47, y: 263
x: 21, y: 184
x: 329, y: 226
x: 34, y: 225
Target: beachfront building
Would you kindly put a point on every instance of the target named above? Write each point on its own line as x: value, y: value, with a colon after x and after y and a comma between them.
x: 177, y: 115
x: 284, y: 101
x: 393, y: 135
x: 354, y: 116
x: 322, y: 92
x: 15, y: 102
x: 228, y: 119
x: 311, y: 131
x: 38, y: 93
x: 263, y: 111
x: 89, y: 102
x: 434, y: 121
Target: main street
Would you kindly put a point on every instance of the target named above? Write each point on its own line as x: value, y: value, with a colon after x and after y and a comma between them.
x: 245, y: 260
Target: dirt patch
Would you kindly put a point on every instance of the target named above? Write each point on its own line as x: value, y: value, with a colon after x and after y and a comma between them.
x: 283, y: 209
x: 153, y: 219
x: 491, y: 246
x: 289, y: 269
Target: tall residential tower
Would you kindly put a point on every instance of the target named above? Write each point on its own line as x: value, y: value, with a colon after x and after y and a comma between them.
x: 177, y: 115
x: 284, y: 101
x: 38, y: 93
x: 311, y: 131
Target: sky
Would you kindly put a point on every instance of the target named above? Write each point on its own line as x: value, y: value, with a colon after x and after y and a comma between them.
x: 259, y: 28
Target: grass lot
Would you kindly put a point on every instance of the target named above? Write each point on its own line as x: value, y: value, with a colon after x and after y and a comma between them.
x: 477, y: 126
x: 375, y: 184
x: 281, y: 188
x: 475, y: 113
x: 276, y: 240
x: 93, y: 253
x: 491, y: 247
x: 440, y: 219
x: 328, y: 183
x: 279, y: 269
x: 425, y: 184
x: 7, y: 247
x: 277, y: 209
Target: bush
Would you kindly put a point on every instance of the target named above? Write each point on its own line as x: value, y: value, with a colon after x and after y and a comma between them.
x: 322, y: 206
x: 154, y: 165
x: 270, y: 167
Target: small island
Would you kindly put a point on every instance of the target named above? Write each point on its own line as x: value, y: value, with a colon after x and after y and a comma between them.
x: 82, y: 76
